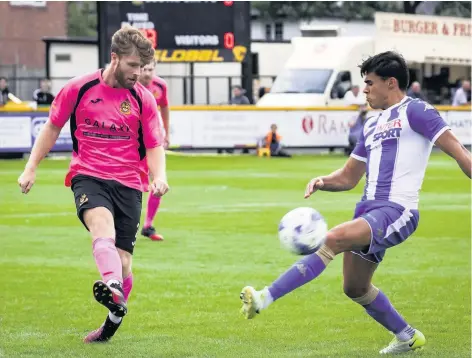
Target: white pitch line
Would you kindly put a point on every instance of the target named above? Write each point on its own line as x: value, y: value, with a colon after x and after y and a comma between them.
x: 240, y: 207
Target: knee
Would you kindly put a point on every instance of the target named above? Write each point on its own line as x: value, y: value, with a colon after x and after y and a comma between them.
x: 100, y: 222
x: 361, y: 294
x: 355, y: 291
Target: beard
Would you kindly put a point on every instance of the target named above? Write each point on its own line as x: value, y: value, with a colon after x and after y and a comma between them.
x: 122, y: 80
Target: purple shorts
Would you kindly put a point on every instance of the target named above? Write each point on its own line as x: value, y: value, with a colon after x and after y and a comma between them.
x: 390, y: 224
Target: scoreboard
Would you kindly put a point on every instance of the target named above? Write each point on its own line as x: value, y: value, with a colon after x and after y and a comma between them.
x: 181, y: 31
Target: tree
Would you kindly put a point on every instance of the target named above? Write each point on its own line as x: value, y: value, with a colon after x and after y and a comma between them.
x: 409, y: 7
x: 306, y: 10
x: 454, y: 8
x: 82, y: 18
x: 356, y: 10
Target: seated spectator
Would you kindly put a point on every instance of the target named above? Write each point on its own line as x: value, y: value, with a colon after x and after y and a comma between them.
x: 238, y: 96
x: 43, y: 95
x: 354, y: 97
x: 4, y: 91
x: 356, y: 127
x: 415, y: 91
x: 462, y: 95
x: 273, y: 142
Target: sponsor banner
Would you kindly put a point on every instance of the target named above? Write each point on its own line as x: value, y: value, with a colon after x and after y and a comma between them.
x: 15, y: 133
x: 225, y: 128
x: 63, y: 143
x: 210, y: 129
x: 460, y: 123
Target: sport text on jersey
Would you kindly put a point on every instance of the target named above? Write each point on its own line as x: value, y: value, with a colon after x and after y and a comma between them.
x: 388, y: 130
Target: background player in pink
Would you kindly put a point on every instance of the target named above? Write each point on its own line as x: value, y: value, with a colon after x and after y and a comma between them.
x: 115, y: 129
x: 158, y: 88
x: 393, y: 152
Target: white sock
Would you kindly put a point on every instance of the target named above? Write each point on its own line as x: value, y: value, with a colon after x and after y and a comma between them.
x: 266, y: 298
x: 406, y: 334
x: 113, y: 318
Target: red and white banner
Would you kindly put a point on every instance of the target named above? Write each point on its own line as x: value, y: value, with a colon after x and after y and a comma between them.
x: 226, y: 128
x: 213, y: 129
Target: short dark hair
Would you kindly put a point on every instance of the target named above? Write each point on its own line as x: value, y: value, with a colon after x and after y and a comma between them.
x: 388, y: 64
x: 3, y: 78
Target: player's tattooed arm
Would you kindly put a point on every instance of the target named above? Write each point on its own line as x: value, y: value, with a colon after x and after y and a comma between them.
x: 450, y: 145
x: 343, y: 179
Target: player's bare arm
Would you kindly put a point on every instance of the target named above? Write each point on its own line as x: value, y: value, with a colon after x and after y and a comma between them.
x: 156, y: 159
x: 47, y: 137
x: 165, y: 113
x: 450, y: 145
x: 343, y: 179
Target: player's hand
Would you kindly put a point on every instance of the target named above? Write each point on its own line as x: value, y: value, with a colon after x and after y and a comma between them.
x: 26, y: 180
x: 313, y: 186
x: 166, y: 142
x: 159, y: 187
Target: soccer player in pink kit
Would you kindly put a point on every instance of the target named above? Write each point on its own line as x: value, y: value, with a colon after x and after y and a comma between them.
x: 158, y: 88
x: 393, y: 152
x: 115, y: 128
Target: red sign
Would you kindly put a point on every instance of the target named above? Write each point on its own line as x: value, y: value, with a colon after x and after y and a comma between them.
x: 307, y: 124
x: 431, y: 28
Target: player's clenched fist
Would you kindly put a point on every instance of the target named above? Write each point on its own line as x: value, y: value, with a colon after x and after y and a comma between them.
x: 26, y: 180
x: 312, y: 186
x: 159, y: 187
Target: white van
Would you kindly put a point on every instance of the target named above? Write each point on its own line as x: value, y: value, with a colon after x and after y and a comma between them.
x: 319, y: 72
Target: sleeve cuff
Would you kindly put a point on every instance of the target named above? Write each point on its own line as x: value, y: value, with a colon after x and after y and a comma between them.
x: 437, y: 135
x: 359, y: 158
x: 153, y: 145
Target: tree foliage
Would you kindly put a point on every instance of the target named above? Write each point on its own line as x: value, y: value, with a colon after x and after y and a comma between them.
x: 82, y: 18
x: 82, y: 15
x: 353, y: 10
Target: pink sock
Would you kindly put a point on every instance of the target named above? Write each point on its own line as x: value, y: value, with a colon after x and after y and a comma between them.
x: 107, y: 259
x: 127, y: 285
x: 153, y: 205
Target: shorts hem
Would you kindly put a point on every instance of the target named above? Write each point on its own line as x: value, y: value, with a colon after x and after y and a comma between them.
x: 119, y: 246
x: 362, y: 256
x: 81, y: 211
x: 366, y: 252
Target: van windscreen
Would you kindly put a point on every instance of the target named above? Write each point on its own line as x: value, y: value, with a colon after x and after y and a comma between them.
x: 302, y: 81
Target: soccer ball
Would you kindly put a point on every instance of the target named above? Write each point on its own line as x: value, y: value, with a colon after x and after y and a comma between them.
x: 302, y: 231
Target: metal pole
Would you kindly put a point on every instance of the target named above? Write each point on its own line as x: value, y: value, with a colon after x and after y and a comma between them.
x: 192, y: 84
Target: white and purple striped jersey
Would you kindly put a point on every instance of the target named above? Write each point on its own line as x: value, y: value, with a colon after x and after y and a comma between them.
x: 396, y: 145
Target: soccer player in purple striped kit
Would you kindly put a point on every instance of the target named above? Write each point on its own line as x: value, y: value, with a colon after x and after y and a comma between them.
x: 393, y: 152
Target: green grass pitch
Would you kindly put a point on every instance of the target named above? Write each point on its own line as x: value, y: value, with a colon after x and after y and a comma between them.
x: 220, y: 223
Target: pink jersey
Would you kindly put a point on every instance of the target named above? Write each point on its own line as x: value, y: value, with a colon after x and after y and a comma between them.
x: 111, y: 129
x: 158, y: 88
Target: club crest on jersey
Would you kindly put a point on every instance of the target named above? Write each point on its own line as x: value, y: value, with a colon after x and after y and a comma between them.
x: 157, y: 93
x: 391, y: 129
x: 125, y: 107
